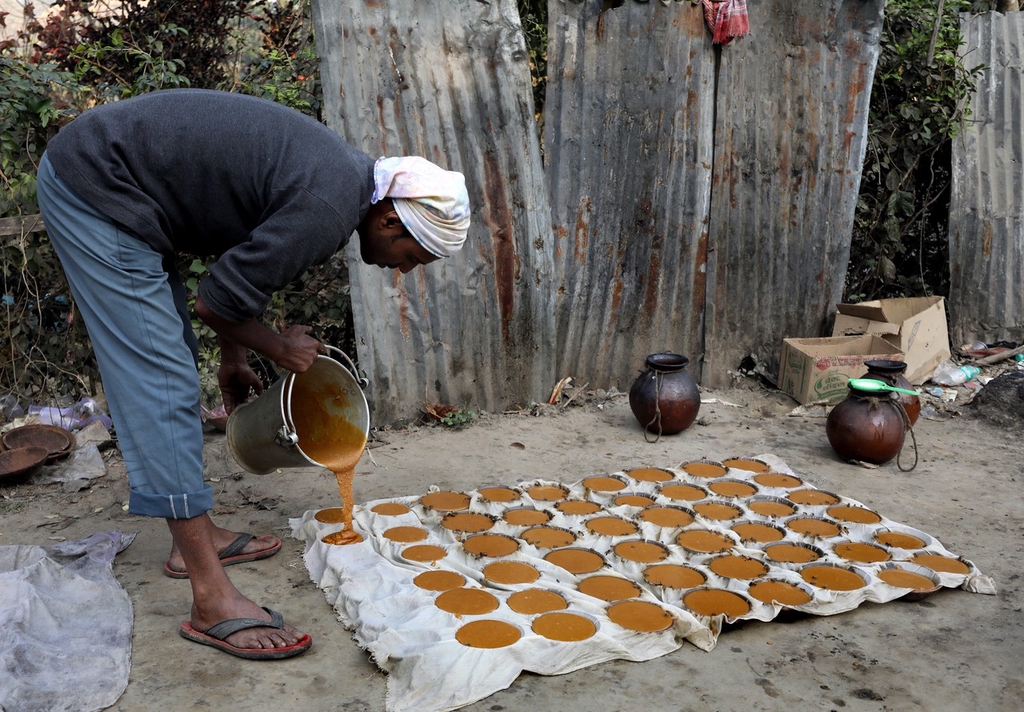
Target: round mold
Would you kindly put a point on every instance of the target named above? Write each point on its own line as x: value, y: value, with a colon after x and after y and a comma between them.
x: 771, y: 507
x: 610, y: 526
x: 789, y: 552
x: 733, y: 488
x: 488, y: 634
x: 609, y: 588
x: 735, y: 566
x: 683, y: 492
x: 920, y: 580
x: 814, y: 527
x: 547, y: 493
x: 832, y: 577
x: 576, y: 560
x: 941, y: 563
x: 669, y: 516
x: 508, y: 573
x: 467, y: 522
x: 704, y: 469
x: 780, y: 592
x: 633, y: 499
x: 466, y: 601
x: 604, y: 484
x: 546, y: 537
x: 390, y: 509
x: 853, y: 514
x: 811, y: 497
x: 445, y: 501
x: 532, y: 601
x: 748, y: 464
x: 902, y: 538
x: 778, y: 480
x: 860, y: 552
x: 641, y: 551
x: 564, y: 626
x: 526, y: 517
x: 650, y: 474
x: 702, y: 541
x: 676, y: 576
x: 757, y: 532
x: 490, y: 545
x: 709, y: 602
x: 578, y: 507
x: 718, y: 510
x: 640, y: 616
x: 498, y: 494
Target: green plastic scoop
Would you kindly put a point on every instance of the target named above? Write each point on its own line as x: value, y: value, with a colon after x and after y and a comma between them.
x: 869, y: 384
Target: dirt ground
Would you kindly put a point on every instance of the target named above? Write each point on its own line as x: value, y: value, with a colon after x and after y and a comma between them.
x: 953, y: 650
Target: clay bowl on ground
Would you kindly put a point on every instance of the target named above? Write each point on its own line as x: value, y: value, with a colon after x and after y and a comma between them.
x: 17, y: 465
x: 57, y: 441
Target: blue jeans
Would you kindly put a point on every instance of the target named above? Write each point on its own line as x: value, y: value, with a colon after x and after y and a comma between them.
x: 133, y: 303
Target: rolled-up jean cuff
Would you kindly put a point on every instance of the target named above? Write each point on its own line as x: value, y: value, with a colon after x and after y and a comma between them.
x: 171, y: 506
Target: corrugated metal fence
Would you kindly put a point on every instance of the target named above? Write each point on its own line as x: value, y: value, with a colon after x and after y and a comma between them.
x: 692, y: 198
x: 986, y: 212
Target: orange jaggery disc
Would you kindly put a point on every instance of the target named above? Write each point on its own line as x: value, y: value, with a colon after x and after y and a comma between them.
x: 445, y: 501
x: 439, y: 580
x: 717, y: 511
x: 791, y: 553
x: 548, y: 537
x: 899, y: 540
x: 704, y: 469
x: 686, y: 493
x: 732, y: 488
x: 667, y: 517
x: 575, y: 561
x: 856, y: 515
x: 331, y: 515
x: 609, y: 588
x: 405, y: 535
x: 771, y: 507
x: 832, y: 577
x: 390, y: 509
x: 546, y: 493
x: 578, y: 507
x: 645, y: 552
x: 510, y: 572
x: 640, y: 616
x: 738, y: 567
x: 343, y: 537
x: 901, y: 578
x: 466, y: 601
x: 704, y: 542
x: 674, y: 576
x: 611, y: 526
x: 810, y: 526
x: 780, y: 592
x: 488, y: 634
x: 498, y: 494
x: 748, y: 465
x: 777, y: 479
x: 650, y: 474
x: 563, y: 627
x: 942, y: 564
x: 604, y: 484
x: 490, y: 545
x: 526, y: 517
x: 532, y: 601
x: 761, y: 533
x: 423, y: 553
x: 716, y: 602
x: 812, y: 497
x: 859, y: 552
x: 468, y: 522
x: 633, y: 500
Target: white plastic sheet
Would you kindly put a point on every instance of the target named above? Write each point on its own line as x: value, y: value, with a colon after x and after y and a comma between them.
x: 371, y: 587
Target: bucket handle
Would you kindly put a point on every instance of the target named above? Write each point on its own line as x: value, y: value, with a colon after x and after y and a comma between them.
x: 361, y: 380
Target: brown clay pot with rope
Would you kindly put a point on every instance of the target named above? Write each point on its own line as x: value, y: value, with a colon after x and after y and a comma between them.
x: 664, y: 398
x: 869, y: 427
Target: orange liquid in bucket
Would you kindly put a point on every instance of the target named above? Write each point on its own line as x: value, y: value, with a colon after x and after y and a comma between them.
x: 333, y: 442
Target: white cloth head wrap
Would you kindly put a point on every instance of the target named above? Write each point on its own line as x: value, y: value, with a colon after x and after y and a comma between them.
x: 432, y: 202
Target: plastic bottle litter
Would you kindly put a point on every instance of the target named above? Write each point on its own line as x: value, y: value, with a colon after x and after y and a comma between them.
x: 948, y: 373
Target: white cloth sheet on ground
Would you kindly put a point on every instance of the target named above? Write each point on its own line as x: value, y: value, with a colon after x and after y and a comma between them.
x: 370, y: 584
x: 65, y: 626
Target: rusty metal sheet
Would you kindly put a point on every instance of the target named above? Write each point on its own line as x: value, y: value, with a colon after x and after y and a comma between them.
x: 986, y: 211
x: 448, y: 80
x: 628, y: 126
x: 791, y: 123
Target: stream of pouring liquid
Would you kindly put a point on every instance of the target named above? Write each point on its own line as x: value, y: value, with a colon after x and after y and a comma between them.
x: 333, y: 442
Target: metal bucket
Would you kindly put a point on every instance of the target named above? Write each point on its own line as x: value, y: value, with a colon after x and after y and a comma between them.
x: 300, y: 420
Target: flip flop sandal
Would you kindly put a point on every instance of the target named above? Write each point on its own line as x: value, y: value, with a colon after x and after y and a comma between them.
x: 232, y: 554
x: 215, y: 636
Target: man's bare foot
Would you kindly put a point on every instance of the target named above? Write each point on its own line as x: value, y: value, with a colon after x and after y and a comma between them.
x: 225, y: 542
x: 205, y: 617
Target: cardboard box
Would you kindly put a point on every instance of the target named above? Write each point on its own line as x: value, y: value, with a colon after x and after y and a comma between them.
x: 914, y: 325
x: 816, y: 370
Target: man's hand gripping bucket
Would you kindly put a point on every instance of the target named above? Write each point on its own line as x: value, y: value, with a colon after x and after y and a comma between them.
x: 319, y: 417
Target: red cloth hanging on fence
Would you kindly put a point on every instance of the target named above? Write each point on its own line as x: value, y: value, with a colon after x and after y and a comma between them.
x: 727, y: 19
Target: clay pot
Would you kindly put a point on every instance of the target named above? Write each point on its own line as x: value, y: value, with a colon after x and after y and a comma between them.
x: 867, y: 427
x: 664, y: 398
x: 891, y: 372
